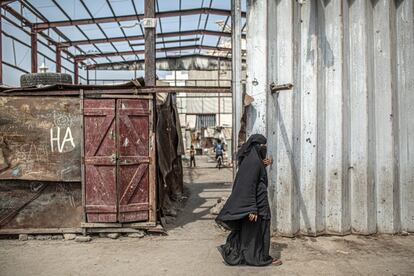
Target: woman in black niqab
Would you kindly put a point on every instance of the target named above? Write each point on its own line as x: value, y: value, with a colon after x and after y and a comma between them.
x: 246, y: 212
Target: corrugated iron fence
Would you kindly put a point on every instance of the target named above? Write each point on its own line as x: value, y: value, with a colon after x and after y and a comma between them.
x: 343, y: 139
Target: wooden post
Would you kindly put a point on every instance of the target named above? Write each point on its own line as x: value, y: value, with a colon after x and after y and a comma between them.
x: 1, y: 51
x: 76, y: 72
x: 150, y: 81
x: 82, y: 146
x: 58, y: 60
x: 33, y: 39
x: 149, y: 43
x: 152, y: 215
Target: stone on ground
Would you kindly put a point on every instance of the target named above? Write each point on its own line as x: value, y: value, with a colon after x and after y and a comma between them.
x: 69, y: 237
x: 23, y: 237
x: 113, y: 236
x: 139, y: 234
x: 217, y: 208
x: 83, y: 239
x: 43, y: 237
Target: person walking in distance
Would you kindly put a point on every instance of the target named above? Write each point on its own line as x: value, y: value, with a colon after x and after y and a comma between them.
x: 192, y: 156
x: 219, y: 149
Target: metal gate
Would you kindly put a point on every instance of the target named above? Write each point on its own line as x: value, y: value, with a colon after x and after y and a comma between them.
x: 118, y: 161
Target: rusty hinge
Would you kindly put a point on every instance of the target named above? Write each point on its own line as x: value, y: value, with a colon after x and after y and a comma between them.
x: 275, y: 88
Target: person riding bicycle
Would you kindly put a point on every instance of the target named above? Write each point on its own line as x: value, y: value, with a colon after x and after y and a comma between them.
x: 219, y: 149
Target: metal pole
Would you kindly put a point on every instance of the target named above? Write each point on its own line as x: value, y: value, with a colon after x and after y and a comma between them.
x: 236, y: 74
x: 33, y: 40
x: 218, y: 83
x: 87, y: 76
x: 150, y: 42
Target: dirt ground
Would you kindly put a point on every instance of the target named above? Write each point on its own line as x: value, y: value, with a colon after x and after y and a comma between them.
x: 191, y: 247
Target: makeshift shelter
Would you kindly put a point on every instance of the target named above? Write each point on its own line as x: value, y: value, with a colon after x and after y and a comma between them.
x: 79, y: 158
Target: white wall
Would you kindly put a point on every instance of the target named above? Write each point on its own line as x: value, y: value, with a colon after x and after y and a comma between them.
x: 341, y: 138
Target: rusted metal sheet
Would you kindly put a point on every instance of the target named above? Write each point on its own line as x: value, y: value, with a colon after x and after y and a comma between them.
x: 133, y: 118
x: 40, y: 138
x: 100, y: 160
x: 58, y: 205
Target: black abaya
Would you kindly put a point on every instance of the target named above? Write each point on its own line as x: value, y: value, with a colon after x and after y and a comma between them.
x: 249, y: 241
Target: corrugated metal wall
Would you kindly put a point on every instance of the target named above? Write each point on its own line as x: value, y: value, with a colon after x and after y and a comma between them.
x: 343, y: 139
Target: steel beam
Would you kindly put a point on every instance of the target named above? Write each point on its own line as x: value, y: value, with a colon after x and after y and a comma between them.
x: 46, y: 25
x: 4, y: 3
x: 168, y: 49
x: 141, y: 37
x: 168, y: 41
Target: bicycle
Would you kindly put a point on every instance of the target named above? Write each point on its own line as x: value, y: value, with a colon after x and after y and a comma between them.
x: 219, y: 162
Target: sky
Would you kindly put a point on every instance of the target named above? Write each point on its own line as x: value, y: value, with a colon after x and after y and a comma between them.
x: 18, y: 54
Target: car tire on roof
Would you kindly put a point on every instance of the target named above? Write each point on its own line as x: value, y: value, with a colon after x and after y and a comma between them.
x: 36, y: 79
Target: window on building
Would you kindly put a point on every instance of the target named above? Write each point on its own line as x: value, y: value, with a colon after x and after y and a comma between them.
x: 205, y: 120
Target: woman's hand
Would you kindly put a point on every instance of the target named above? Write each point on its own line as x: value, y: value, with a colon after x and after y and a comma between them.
x: 253, y: 217
x: 267, y: 162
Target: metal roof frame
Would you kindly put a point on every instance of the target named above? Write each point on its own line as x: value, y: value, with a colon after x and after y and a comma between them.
x: 75, y: 48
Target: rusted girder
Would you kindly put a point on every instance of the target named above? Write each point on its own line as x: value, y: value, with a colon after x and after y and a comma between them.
x: 6, y: 2
x: 137, y: 52
x: 46, y: 25
x: 141, y: 37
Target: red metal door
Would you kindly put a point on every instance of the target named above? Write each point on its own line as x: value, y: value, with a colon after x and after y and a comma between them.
x: 133, y: 164
x: 100, y: 160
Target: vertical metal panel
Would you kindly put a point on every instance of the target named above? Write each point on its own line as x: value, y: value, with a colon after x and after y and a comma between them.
x: 405, y: 65
x: 385, y: 117
x: 285, y: 174
x: 310, y: 204
x: 256, y: 81
x: 333, y: 60
x: 361, y: 70
x: 347, y: 124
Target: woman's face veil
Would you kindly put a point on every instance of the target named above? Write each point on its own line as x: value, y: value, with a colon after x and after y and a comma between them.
x: 257, y: 141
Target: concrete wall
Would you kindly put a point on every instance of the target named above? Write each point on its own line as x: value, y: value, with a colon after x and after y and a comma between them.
x: 343, y: 139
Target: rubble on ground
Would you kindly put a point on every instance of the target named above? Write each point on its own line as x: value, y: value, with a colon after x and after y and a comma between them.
x: 217, y: 208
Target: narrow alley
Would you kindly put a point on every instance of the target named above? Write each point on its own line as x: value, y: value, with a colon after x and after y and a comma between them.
x: 190, y: 248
